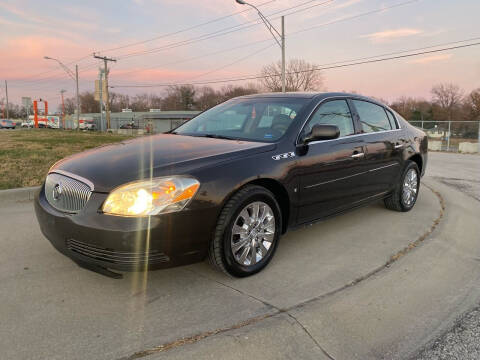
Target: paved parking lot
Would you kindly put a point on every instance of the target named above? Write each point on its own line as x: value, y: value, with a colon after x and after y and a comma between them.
x: 332, y: 290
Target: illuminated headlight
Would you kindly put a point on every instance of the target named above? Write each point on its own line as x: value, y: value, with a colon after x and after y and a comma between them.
x: 151, y: 197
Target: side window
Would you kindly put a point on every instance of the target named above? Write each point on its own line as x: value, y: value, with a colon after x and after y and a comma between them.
x: 392, y: 119
x: 335, y: 112
x: 372, y: 117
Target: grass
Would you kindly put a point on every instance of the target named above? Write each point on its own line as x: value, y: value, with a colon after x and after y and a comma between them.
x: 27, y: 154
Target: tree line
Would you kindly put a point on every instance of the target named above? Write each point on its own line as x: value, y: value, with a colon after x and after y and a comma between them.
x: 448, y: 102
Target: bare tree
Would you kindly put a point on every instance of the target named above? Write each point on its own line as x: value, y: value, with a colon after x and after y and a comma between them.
x: 447, y: 97
x: 230, y: 91
x: 300, y: 76
x: 472, y: 104
x: 207, y: 98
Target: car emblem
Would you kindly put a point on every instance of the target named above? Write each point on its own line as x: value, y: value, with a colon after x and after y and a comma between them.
x: 57, y: 191
x: 284, y: 156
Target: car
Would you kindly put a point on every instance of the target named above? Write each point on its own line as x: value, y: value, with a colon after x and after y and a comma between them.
x: 130, y: 125
x: 229, y: 182
x: 27, y: 124
x: 7, y: 124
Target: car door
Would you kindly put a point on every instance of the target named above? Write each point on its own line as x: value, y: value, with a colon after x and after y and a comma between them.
x: 382, y: 143
x: 331, y: 171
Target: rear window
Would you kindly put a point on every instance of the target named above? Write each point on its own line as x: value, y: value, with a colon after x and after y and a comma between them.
x: 373, y: 118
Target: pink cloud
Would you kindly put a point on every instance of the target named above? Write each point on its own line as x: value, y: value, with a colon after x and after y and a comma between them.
x: 430, y: 59
x: 391, y: 34
x: 22, y: 56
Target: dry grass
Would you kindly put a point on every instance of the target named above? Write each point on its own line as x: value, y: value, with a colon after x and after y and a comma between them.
x: 27, y: 154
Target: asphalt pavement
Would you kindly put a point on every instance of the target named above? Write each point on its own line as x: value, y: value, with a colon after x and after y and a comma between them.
x: 371, y: 284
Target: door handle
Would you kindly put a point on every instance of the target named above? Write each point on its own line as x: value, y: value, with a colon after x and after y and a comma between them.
x: 358, y: 155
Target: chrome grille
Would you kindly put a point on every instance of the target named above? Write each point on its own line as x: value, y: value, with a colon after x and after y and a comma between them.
x: 65, y: 193
x: 117, y: 257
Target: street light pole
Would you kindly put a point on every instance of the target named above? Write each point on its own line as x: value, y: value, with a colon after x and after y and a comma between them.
x: 279, y: 37
x: 78, y: 97
x: 63, y: 108
x: 74, y: 78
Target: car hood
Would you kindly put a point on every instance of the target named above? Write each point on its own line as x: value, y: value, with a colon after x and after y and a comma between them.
x: 112, y: 165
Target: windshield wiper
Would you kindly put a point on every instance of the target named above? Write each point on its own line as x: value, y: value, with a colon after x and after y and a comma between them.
x: 215, y: 136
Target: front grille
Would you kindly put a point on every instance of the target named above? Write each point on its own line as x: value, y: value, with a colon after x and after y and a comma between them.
x: 65, y: 193
x: 117, y: 257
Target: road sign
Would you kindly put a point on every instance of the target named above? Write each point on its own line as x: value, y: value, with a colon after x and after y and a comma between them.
x: 103, y: 90
x: 27, y: 102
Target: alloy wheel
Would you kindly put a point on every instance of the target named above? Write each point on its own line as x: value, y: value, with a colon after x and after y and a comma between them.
x: 253, y: 233
x: 410, y: 187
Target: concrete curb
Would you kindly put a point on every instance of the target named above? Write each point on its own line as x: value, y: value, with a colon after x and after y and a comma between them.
x: 20, y: 194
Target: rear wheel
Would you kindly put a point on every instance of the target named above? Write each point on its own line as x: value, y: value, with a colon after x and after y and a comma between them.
x: 405, y: 194
x: 247, y: 232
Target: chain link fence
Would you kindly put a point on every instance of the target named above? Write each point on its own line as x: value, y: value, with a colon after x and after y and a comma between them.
x: 455, y: 136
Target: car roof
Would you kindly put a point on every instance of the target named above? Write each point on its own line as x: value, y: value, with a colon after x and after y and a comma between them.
x: 307, y: 95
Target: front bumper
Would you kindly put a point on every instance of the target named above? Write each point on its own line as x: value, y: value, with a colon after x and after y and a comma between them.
x: 126, y: 244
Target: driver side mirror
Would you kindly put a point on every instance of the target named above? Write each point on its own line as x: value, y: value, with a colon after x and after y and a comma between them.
x: 322, y: 132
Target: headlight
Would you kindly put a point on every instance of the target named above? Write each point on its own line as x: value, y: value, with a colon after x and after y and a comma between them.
x: 151, y: 197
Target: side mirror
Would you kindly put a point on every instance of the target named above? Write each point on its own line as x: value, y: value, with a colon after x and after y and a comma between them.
x: 322, y: 132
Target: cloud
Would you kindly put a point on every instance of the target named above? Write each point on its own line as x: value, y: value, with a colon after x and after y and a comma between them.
x: 430, y: 59
x: 347, y: 3
x: 391, y: 34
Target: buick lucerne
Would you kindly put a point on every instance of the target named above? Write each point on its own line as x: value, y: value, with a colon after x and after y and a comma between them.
x: 228, y: 183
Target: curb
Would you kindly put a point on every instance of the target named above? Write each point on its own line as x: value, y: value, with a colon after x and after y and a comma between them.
x: 20, y: 194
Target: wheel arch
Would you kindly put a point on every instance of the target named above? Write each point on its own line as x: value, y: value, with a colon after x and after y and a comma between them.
x: 417, y: 158
x: 277, y: 189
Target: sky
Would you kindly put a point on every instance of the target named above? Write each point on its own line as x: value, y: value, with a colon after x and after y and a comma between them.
x: 182, y: 41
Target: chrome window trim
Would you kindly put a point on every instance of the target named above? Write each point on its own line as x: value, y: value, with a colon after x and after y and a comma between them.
x: 352, y: 136
x: 346, y: 98
x: 76, y: 177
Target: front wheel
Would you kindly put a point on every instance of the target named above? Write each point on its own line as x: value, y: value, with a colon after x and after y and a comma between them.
x: 405, y: 194
x: 247, y: 232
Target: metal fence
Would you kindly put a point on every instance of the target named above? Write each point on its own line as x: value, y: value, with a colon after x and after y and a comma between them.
x: 455, y: 136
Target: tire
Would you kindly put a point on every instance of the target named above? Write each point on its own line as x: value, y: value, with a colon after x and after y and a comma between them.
x: 238, y: 211
x: 397, y: 201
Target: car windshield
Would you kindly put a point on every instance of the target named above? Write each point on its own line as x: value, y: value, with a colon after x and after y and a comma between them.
x: 253, y: 119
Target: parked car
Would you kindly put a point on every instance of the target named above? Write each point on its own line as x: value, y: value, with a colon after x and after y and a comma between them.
x: 7, y: 124
x: 86, y: 124
x: 228, y: 183
x: 130, y: 125
x: 27, y: 124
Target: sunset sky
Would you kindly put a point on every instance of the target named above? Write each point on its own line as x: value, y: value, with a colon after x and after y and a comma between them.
x: 321, y: 32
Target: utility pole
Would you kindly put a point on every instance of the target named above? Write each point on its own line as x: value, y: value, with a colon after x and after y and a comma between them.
x: 100, y: 98
x: 283, y: 55
x: 63, y: 108
x: 6, y: 95
x: 107, y: 100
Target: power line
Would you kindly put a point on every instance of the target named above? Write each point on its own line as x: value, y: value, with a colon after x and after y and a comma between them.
x: 183, y: 30
x: 202, y: 56
x: 181, y: 43
x: 221, y: 32
x: 292, y: 34
x: 236, y: 28
x: 236, y: 61
x: 356, y: 16
x: 256, y: 77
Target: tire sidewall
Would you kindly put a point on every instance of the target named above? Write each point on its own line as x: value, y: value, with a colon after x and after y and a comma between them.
x: 231, y: 264
x: 410, y: 165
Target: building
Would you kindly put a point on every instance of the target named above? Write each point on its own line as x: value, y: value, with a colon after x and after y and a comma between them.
x: 155, y: 121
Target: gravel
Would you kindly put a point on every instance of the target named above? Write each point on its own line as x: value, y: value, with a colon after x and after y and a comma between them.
x: 462, y: 342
